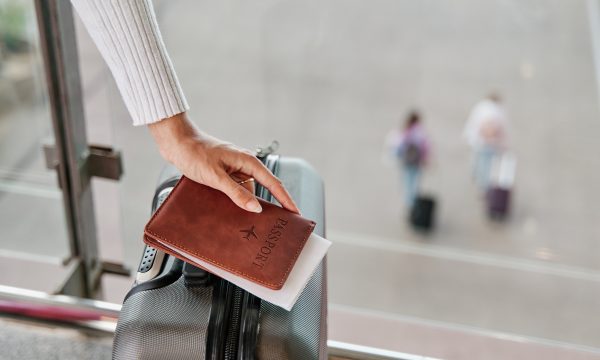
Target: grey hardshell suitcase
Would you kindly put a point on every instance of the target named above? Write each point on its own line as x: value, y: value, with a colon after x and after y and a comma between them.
x: 177, y: 311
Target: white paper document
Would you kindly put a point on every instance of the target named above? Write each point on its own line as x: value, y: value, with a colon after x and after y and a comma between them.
x: 313, y: 252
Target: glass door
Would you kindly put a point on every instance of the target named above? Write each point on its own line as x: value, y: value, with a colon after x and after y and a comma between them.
x: 47, y: 218
x: 32, y: 214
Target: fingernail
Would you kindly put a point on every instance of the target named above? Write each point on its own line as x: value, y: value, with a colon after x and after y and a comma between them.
x: 253, y: 206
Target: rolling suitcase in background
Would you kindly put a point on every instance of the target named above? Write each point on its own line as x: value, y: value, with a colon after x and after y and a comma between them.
x: 422, y: 214
x: 498, y: 196
x: 498, y: 202
x: 178, y: 311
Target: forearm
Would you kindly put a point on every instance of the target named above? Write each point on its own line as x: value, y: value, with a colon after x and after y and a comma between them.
x: 127, y: 35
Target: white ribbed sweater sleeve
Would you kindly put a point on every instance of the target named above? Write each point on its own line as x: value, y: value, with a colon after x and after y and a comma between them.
x: 127, y: 35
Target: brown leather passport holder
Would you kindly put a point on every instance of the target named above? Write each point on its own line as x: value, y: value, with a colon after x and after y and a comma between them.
x: 196, y: 221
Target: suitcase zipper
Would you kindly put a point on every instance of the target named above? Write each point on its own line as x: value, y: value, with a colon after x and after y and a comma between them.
x: 218, y: 323
x: 249, y: 326
x: 243, y: 317
x: 233, y: 331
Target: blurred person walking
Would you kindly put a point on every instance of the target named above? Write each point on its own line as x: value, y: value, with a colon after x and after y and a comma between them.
x: 411, y: 148
x: 486, y: 132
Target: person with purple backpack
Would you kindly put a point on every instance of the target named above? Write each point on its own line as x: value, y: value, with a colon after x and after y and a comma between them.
x: 412, y: 151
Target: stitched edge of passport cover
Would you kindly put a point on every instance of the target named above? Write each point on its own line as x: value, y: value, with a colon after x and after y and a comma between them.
x: 153, y: 239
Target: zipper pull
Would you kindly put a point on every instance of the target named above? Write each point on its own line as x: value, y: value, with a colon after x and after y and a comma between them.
x: 263, y: 152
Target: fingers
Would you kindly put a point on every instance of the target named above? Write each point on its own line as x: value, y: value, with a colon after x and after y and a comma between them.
x: 209, y: 161
x: 248, y: 185
x: 238, y: 194
x: 245, y: 181
x: 253, y: 167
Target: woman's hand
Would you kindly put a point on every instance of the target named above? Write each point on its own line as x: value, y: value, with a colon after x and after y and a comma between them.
x: 212, y: 162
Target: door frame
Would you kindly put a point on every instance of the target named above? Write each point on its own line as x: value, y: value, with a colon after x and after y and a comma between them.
x: 71, y: 152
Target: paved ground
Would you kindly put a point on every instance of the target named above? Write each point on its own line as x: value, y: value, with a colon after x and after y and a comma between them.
x: 329, y: 79
x: 35, y: 341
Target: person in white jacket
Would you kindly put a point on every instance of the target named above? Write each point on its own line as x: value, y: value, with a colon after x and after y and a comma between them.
x: 128, y: 37
x: 486, y: 132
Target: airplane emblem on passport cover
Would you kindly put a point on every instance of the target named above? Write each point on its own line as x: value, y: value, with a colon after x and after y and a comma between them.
x: 250, y: 232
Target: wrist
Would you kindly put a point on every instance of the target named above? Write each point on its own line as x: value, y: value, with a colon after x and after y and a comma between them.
x: 171, y: 133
